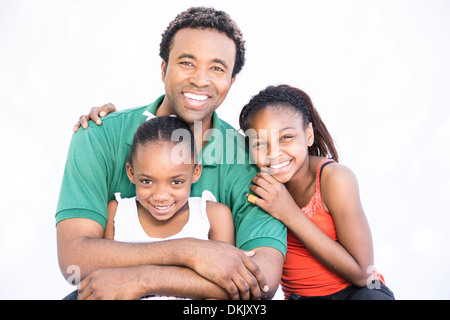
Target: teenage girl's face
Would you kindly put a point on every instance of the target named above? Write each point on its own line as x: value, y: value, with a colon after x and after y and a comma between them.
x: 162, y: 184
x: 279, y: 143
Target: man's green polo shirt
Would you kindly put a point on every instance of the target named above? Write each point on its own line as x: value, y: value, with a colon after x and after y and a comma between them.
x: 96, y: 169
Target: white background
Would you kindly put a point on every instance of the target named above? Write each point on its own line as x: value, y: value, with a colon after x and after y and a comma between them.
x: 378, y: 72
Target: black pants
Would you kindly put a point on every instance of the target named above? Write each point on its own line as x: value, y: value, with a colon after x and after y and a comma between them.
x: 378, y: 292
x: 71, y: 296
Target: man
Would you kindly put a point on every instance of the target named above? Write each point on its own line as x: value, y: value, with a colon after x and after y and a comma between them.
x: 202, y: 52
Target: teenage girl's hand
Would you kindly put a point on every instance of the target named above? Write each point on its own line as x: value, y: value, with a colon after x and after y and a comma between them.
x: 273, y: 198
x: 95, y: 115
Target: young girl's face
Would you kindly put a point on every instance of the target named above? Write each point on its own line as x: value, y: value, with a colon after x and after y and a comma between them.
x: 162, y: 184
x: 279, y: 143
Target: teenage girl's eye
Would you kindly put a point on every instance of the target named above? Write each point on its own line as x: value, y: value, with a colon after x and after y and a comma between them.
x: 286, y: 137
x: 256, y: 145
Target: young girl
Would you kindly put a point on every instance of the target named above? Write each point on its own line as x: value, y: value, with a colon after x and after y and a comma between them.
x: 163, y: 172
x: 330, y: 253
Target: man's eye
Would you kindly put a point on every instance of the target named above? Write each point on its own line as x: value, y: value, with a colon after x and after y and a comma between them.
x: 218, y: 69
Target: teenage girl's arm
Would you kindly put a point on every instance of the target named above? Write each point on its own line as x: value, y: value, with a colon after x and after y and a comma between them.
x: 350, y: 256
x: 221, y: 222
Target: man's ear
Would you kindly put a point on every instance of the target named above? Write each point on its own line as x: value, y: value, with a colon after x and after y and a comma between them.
x: 130, y: 173
x: 163, y: 70
x: 233, y: 79
x: 197, y: 172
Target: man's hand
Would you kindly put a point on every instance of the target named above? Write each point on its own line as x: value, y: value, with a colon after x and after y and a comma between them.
x: 232, y: 269
x: 95, y: 115
x: 111, y: 284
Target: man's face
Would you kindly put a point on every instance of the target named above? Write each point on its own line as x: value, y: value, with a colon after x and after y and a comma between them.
x: 197, y: 76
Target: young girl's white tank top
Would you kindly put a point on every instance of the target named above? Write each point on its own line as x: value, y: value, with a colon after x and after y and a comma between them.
x: 127, y: 227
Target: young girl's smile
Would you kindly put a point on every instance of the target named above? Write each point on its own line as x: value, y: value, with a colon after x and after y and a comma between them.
x: 279, y: 143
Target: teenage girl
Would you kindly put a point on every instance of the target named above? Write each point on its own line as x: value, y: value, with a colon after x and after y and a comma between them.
x: 163, y: 172
x: 301, y: 183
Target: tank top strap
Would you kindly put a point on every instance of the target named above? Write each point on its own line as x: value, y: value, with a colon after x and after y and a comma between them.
x: 118, y: 196
x: 320, y: 167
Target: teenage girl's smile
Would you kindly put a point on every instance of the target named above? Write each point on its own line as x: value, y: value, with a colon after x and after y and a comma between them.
x: 279, y: 167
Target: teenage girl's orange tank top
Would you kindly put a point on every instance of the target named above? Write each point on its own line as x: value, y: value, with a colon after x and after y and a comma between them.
x: 303, y: 274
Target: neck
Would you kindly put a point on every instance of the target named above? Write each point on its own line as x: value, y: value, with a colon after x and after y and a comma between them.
x: 302, y: 179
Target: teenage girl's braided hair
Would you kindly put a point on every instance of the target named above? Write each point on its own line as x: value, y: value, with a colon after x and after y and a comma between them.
x: 285, y: 95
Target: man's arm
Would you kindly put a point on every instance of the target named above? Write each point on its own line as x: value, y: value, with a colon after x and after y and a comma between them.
x: 270, y: 262
x: 81, y: 243
x: 135, y: 282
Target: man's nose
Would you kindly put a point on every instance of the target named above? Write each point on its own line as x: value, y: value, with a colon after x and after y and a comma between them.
x: 200, y: 77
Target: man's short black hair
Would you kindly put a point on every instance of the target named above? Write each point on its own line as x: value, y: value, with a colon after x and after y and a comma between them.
x: 203, y: 18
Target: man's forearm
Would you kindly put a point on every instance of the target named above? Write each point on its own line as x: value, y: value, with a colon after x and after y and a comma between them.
x: 135, y: 282
x: 179, y: 282
x: 92, y: 253
x: 270, y: 261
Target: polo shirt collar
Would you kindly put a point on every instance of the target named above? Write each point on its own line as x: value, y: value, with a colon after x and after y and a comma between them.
x: 212, y: 145
x: 146, y: 115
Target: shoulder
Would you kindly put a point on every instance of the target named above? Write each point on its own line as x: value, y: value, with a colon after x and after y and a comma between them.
x: 219, y: 215
x: 336, y: 174
x: 221, y: 222
x: 232, y: 137
x: 217, y: 209
x: 116, y: 124
x: 339, y: 185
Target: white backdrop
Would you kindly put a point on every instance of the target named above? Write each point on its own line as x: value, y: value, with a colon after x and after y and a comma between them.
x: 378, y: 72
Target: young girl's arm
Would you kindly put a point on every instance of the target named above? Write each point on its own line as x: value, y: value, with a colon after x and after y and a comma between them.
x: 352, y: 254
x: 109, y: 228
x: 221, y: 222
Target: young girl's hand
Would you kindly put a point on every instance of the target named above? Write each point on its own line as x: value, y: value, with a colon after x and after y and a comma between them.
x: 274, y: 198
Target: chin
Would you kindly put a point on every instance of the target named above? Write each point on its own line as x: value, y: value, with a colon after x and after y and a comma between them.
x: 282, y: 178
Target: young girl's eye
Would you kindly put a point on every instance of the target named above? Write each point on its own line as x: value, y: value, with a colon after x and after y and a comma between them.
x: 177, y: 182
x: 146, y: 181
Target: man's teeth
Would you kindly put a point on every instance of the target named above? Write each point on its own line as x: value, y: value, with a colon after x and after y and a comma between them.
x: 195, y: 96
x: 280, y: 165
